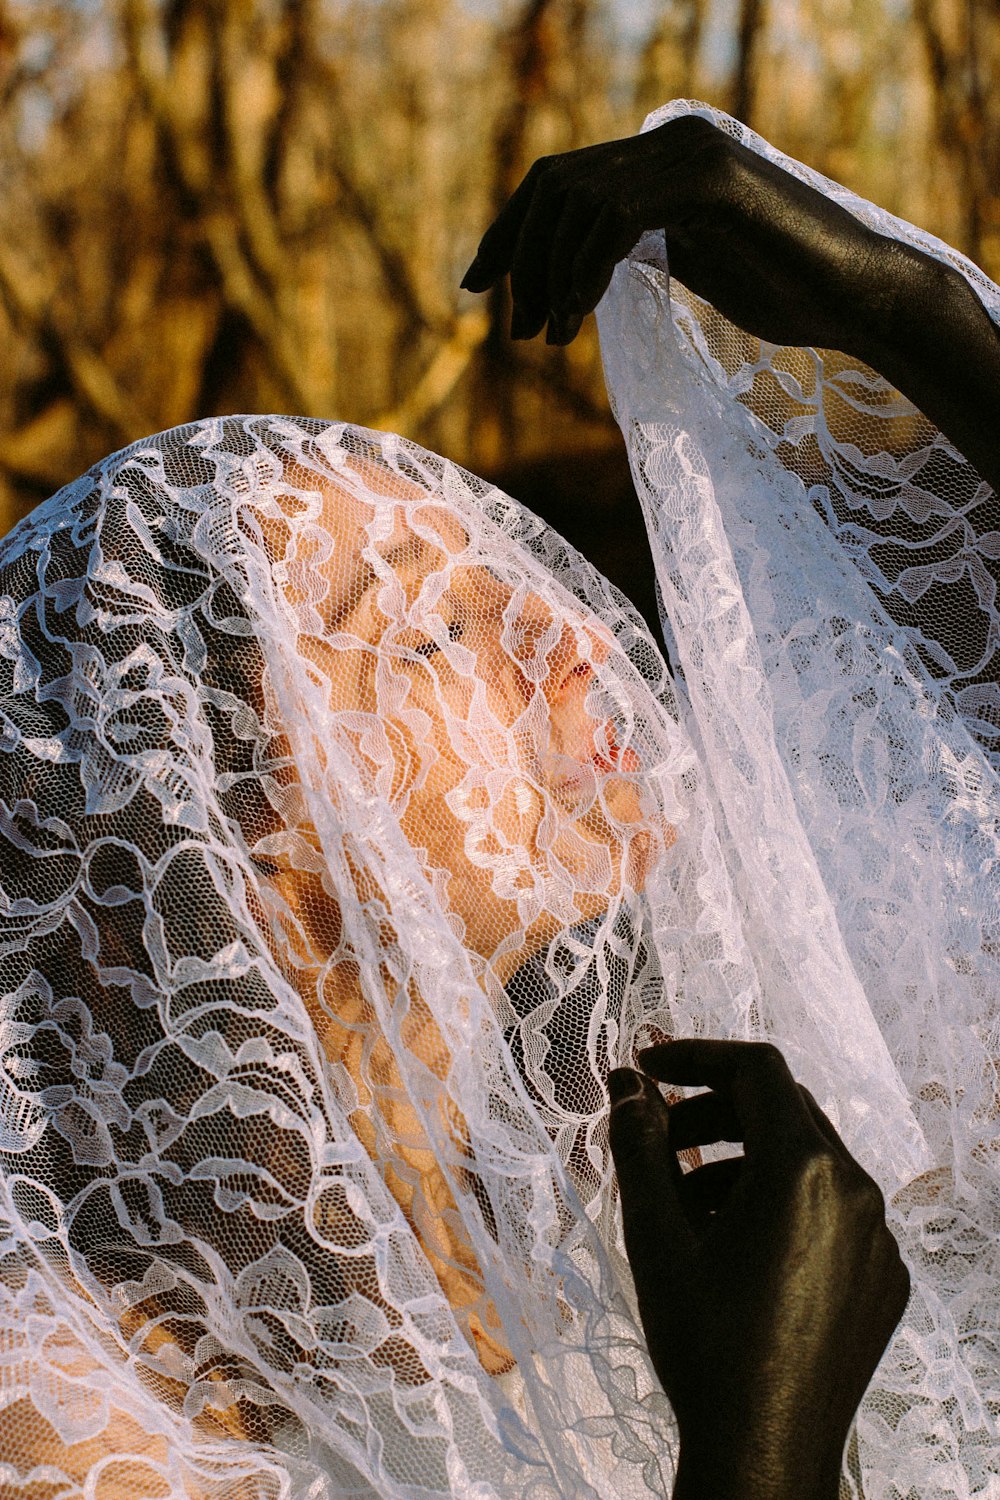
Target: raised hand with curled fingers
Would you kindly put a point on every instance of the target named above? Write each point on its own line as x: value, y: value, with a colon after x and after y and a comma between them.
x: 778, y: 258
x: 771, y: 253
x: 768, y: 1284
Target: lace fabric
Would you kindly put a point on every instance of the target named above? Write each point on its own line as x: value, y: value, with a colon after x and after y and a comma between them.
x: 827, y: 568
x: 352, y: 827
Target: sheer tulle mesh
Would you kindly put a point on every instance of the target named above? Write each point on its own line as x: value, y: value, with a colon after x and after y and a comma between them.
x: 326, y: 832
x: 827, y: 565
x: 351, y: 829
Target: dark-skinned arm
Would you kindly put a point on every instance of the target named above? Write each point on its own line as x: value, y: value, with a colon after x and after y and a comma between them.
x: 768, y: 1284
x: 780, y: 259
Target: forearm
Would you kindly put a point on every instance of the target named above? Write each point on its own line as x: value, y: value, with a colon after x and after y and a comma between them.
x: 768, y: 1463
x: 773, y: 1423
x: 940, y: 347
x: 759, y: 1469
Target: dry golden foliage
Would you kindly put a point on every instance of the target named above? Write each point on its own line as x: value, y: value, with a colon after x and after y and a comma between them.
x: 225, y: 205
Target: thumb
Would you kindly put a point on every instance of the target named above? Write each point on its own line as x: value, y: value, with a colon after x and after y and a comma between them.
x: 657, y: 1232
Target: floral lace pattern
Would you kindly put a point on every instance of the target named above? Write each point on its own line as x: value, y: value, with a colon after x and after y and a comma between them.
x: 827, y: 566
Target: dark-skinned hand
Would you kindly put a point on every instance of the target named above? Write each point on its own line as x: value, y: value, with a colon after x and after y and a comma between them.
x: 768, y: 1284
x: 777, y: 257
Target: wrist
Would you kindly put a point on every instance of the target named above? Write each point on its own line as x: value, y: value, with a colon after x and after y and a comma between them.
x: 724, y: 1463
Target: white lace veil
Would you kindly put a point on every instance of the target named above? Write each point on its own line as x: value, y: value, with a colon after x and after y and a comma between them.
x: 351, y: 828
x: 828, y: 568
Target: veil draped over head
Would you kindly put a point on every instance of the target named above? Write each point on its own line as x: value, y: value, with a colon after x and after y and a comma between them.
x: 352, y: 827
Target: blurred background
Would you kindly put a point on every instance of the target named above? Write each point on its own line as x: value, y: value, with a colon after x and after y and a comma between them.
x: 266, y: 205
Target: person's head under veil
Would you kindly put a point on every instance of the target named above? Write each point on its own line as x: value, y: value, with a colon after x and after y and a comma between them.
x: 477, y: 708
x: 332, y: 831
x: 478, y: 704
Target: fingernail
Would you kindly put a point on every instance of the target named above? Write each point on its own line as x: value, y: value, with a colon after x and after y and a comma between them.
x: 625, y: 1084
x: 472, y: 275
x: 570, y: 324
x: 563, y: 328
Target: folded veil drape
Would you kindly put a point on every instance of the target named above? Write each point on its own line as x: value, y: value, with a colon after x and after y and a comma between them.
x: 828, y: 568
x: 351, y: 827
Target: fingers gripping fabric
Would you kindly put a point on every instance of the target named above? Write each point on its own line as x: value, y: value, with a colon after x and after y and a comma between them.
x: 827, y: 569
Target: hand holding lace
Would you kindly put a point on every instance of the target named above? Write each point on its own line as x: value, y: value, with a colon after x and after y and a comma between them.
x: 768, y: 1283
x: 777, y: 257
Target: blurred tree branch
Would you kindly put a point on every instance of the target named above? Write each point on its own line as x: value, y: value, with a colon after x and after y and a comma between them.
x: 750, y: 25
x: 32, y: 301
x: 962, y: 43
x: 212, y: 151
x: 441, y: 376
